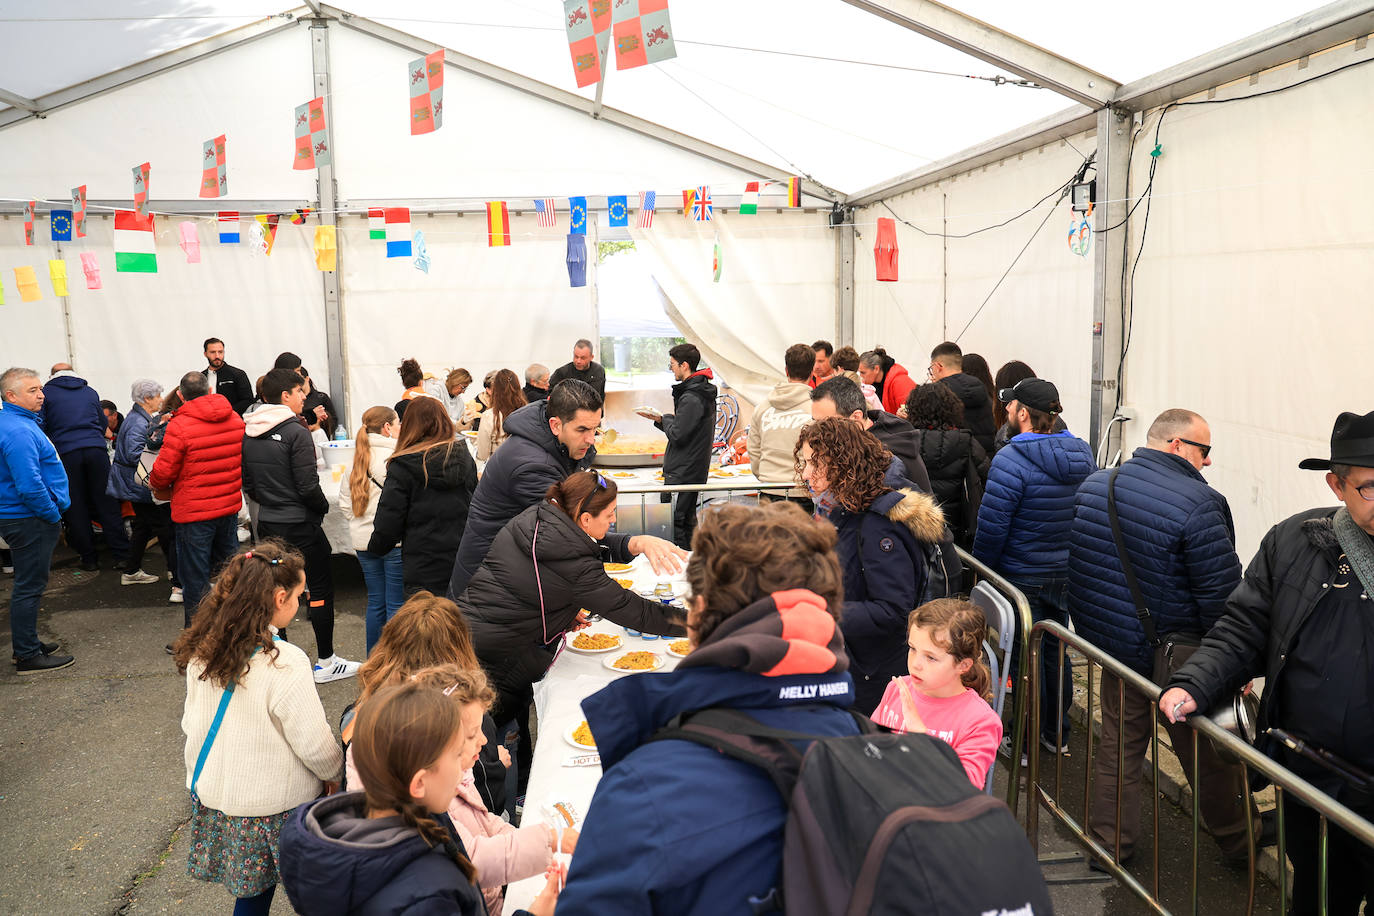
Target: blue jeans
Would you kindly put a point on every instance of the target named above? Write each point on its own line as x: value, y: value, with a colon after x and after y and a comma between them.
x: 31, y: 543
x: 1049, y: 600
x: 202, y: 548
x: 385, y: 590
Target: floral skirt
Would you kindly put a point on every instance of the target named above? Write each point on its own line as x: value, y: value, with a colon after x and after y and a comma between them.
x: 238, y: 852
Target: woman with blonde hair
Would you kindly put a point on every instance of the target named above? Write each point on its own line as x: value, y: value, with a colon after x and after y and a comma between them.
x: 358, y: 499
x: 506, y: 398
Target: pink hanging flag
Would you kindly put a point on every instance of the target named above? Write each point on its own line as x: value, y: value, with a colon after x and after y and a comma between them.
x: 91, y: 267
x: 190, y: 242
x: 214, y: 178
x: 28, y: 221
x: 79, y: 210
x: 141, y: 176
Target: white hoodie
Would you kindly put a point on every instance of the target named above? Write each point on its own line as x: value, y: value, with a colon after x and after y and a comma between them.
x: 774, y: 430
x: 360, y: 525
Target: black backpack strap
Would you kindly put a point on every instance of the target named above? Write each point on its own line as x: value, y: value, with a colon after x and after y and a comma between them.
x: 741, y: 736
x: 1147, y: 621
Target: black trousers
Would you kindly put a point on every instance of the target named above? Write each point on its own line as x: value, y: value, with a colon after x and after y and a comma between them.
x: 88, y: 473
x: 310, y: 540
x: 1350, y: 863
x: 684, y: 516
x: 152, y: 521
x: 513, y: 705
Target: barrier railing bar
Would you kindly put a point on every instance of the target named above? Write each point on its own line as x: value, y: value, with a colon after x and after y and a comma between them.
x: 1321, y: 867
x: 1101, y: 852
x: 1154, y: 780
x: 1120, y: 756
x: 1283, y: 872
x: 1197, y: 816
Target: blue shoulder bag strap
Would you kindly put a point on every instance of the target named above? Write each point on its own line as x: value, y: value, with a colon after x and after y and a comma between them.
x: 214, y: 729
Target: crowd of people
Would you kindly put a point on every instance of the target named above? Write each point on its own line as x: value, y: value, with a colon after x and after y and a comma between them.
x: 842, y: 594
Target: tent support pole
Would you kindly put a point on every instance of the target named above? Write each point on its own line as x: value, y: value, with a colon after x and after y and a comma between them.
x: 335, y: 337
x: 1113, y: 152
x: 67, y: 313
x: 844, y: 282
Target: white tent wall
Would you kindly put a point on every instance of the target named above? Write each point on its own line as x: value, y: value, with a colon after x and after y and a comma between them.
x: 1041, y: 313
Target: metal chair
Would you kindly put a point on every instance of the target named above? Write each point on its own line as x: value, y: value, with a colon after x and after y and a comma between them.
x: 1001, y: 617
x: 727, y: 419
x: 999, y: 698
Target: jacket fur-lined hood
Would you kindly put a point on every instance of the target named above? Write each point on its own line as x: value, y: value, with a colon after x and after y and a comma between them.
x: 919, y: 512
x: 1321, y: 532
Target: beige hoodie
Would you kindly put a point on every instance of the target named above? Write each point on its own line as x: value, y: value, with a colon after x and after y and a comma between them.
x: 774, y: 430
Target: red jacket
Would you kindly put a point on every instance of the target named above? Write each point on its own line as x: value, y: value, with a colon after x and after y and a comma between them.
x: 201, y: 460
x: 897, y: 384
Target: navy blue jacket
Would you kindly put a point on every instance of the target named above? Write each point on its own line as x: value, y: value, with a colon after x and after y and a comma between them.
x: 130, y: 442
x: 1023, y: 523
x: 643, y: 849
x: 1180, y: 539
x: 518, y: 475
x: 72, y: 417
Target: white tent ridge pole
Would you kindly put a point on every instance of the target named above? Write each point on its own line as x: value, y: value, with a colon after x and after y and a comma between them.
x: 18, y: 101
x: 994, y: 46
x: 1113, y: 151
x: 334, y: 332
x: 192, y: 209
x: 576, y: 102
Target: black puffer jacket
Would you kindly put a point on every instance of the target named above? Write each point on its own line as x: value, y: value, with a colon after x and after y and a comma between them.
x: 977, y: 407
x: 958, y: 467
x: 279, y: 472
x: 514, y: 638
x: 691, y: 430
x: 900, y: 439
x: 424, y: 505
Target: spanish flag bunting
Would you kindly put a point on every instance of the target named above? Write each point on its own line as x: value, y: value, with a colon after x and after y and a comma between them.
x: 688, y: 198
x: 794, y: 192
x: 498, y: 224
x: 268, y: 222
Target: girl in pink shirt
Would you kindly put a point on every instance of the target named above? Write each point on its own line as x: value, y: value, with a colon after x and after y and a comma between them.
x: 946, y: 693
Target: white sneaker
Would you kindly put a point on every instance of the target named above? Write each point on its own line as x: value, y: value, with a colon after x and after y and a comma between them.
x: 175, y: 596
x: 169, y: 575
x: 334, y: 668
x: 137, y: 578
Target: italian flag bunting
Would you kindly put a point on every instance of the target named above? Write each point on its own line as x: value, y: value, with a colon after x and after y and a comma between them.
x: 376, y: 223
x: 749, y: 203
x: 135, y: 243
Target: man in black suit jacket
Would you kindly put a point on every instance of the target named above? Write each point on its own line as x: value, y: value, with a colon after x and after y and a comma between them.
x: 225, y: 379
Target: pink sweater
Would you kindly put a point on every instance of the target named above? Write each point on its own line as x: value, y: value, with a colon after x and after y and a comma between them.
x: 965, y: 722
x: 502, y: 853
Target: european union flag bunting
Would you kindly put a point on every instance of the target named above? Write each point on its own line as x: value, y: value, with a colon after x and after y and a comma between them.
x: 577, y: 215
x: 61, y: 221
x: 619, y: 211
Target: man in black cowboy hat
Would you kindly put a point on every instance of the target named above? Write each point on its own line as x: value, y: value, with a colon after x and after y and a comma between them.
x: 1303, y: 617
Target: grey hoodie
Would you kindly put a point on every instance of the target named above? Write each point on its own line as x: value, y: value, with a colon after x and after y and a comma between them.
x: 774, y: 430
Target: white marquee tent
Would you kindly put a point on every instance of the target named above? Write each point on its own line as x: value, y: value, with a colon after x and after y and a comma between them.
x: 1227, y: 275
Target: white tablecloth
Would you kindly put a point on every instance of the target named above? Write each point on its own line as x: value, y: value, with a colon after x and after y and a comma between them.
x: 336, y: 522
x: 558, y: 698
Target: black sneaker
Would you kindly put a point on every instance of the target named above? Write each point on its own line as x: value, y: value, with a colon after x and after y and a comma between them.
x: 90, y: 566
x: 46, y: 648
x: 44, y: 662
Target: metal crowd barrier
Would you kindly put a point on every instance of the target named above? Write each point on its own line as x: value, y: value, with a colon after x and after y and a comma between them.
x: 662, y: 523
x: 1285, y: 783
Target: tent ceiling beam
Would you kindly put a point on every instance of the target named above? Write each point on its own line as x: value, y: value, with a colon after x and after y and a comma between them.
x: 168, y: 209
x: 576, y: 102
x: 19, y: 101
x: 994, y: 46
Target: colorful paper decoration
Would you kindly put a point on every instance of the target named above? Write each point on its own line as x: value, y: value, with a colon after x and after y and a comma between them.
x: 647, y: 202
x: 312, y: 138
x: 421, y: 261
x: 326, y: 247
x: 498, y: 224
x: 577, y: 215
x: 885, y: 249
x: 701, y: 206
x: 57, y: 273
x: 135, y: 243
x: 398, y: 244
x: 28, y: 221
x: 547, y: 212
x: 91, y: 268
x: 228, y: 227
x: 618, y: 211
x: 268, y: 222
x: 60, y: 225
x: 376, y: 223
x: 749, y: 203
x: 715, y: 261
x: 642, y: 33
x: 27, y: 281
x: 299, y: 217
x: 577, y: 259
x: 190, y: 242
x: 586, y: 48
x: 79, y: 210
x: 214, y: 175
x: 427, y: 93
x: 794, y: 192
x: 142, y: 178
x: 2, y: 292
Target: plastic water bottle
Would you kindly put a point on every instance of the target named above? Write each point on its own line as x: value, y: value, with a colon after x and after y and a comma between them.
x: 340, y: 433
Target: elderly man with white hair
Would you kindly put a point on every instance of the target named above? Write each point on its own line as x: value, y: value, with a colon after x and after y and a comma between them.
x: 150, y: 518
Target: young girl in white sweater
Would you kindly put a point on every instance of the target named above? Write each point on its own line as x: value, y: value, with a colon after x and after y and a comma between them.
x: 257, y: 742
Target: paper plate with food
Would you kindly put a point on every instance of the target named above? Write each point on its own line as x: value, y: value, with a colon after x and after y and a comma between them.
x: 634, y: 661
x: 623, y: 475
x: 612, y: 568
x: 624, y: 583
x: 580, y: 736
x: 471, y: 434
x: 591, y: 643
x: 680, y: 648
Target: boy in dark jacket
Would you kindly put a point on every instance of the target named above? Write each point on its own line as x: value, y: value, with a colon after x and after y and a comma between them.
x: 279, y: 475
x: 947, y: 368
x: 691, y: 431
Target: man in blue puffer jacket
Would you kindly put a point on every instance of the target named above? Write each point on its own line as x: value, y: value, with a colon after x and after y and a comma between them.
x: 1023, y: 528
x: 1181, y: 543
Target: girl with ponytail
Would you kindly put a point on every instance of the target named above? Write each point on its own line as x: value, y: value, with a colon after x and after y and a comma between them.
x: 358, y: 498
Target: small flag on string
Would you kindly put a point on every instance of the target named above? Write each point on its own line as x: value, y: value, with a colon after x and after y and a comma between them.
x: 716, y: 261
x: 498, y: 224
x: 398, y: 244
x: 312, y: 138
x: 618, y: 210
x: 142, y: 178
x: 421, y: 261
x: 577, y: 260
x: 701, y: 207
x: 91, y: 268
x: 27, y: 281
x: 583, y: 43
x: 794, y: 192
x: 298, y: 218
x: 228, y: 227
x: 190, y: 242
x: 647, y: 202
x: 268, y: 223
x: 135, y: 243
x: 57, y: 273
x: 326, y: 247
x: 688, y: 197
x: 426, y: 93
x: 2, y: 292
x: 79, y: 210
x: 214, y: 176
x: 28, y: 221
x: 642, y: 32
x: 60, y: 224
x: 547, y: 213
x: 749, y: 203
x: 376, y: 223
x: 577, y: 215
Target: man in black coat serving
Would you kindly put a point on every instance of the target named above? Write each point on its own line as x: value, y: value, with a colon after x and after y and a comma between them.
x: 691, y: 430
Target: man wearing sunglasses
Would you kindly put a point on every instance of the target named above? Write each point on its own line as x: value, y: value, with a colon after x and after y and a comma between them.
x: 1179, y: 538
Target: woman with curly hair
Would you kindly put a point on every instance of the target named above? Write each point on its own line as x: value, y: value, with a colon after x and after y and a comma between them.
x: 957, y: 464
x: 884, y: 537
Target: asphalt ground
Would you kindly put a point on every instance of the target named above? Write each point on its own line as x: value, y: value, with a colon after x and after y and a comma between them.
x: 93, y: 785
